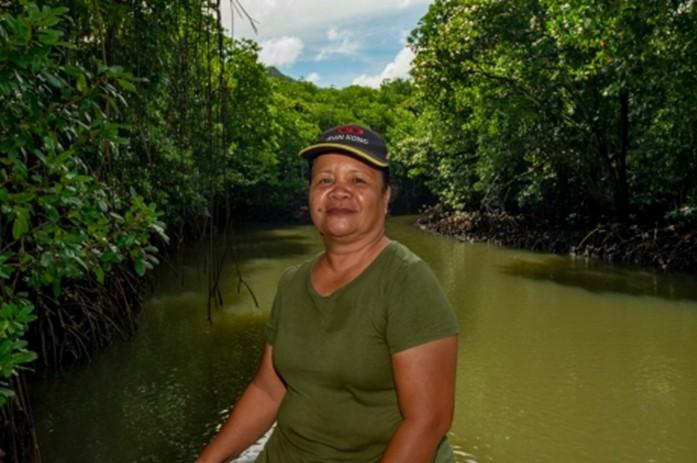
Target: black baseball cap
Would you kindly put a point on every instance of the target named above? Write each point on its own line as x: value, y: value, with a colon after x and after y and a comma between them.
x: 352, y: 139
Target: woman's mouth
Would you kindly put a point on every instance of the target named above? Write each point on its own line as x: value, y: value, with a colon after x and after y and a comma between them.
x: 339, y: 210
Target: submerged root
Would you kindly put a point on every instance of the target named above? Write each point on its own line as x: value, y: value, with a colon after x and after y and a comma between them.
x: 667, y: 246
x: 86, y: 317
x: 18, y: 439
x: 69, y: 329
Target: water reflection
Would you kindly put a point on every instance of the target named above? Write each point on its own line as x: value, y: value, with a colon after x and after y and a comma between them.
x: 599, y: 277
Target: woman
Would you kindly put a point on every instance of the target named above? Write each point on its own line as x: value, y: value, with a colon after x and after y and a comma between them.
x: 359, y: 364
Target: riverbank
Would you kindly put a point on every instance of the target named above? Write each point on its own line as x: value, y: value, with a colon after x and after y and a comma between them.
x: 667, y: 247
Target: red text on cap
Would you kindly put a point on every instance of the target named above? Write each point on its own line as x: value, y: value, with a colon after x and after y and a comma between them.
x: 348, y: 129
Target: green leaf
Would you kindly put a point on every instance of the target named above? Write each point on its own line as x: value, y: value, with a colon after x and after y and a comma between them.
x: 5, y: 272
x: 5, y: 256
x: 54, y: 80
x: 99, y: 273
x: 23, y: 357
x: 52, y: 214
x: 54, y: 17
x: 5, y: 394
x: 73, y: 71
x: 140, y: 267
x: 21, y: 223
x: 50, y: 37
x: 127, y: 85
x: 81, y: 83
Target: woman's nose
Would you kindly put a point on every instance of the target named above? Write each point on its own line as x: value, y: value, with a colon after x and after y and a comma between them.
x: 340, y: 190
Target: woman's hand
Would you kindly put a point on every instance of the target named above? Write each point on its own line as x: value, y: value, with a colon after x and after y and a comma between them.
x: 425, y: 380
x: 251, y: 417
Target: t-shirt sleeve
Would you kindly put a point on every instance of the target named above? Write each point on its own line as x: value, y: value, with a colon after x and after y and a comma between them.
x: 418, y: 310
x: 272, y: 324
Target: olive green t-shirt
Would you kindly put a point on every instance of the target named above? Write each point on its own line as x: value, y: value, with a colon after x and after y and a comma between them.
x: 334, y: 354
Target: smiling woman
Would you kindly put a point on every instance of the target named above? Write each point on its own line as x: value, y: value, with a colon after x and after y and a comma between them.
x: 347, y: 199
x: 362, y: 332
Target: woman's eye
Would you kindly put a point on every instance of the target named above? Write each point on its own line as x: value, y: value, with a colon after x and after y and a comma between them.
x: 358, y: 180
x: 324, y: 181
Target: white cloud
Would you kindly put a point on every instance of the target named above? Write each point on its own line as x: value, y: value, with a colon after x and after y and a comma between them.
x: 281, y: 51
x: 313, y: 77
x: 341, y: 43
x: 345, y: 47
x: 333, y: 34
x: 398, y: 68
x: 274, y: 16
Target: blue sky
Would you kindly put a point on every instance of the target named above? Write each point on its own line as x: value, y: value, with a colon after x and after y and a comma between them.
x: 333, y: 43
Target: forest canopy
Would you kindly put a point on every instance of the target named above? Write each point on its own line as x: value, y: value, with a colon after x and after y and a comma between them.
x: 558, y: 108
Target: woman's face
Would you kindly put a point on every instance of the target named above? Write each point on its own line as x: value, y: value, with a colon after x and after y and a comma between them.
x: 347, y: 199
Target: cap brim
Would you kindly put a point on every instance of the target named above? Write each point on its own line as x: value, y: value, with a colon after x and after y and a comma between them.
x: 323, y: 148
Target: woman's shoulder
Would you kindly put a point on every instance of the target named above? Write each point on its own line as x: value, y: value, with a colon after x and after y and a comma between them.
x: 401, y: 267
x: 290, y: 274
x: 405, y: 270
x: 297, y: 272
x: 401, y: 258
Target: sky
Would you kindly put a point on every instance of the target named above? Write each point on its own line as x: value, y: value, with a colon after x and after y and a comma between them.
x: 332, y: 43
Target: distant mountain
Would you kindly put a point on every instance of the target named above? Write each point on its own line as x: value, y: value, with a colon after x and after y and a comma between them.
x: 272, y: 71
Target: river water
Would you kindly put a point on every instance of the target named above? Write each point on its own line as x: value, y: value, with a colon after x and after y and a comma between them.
x: 560, y: 360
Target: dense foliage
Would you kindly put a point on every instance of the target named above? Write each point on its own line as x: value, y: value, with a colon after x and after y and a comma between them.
x: 560, y: 108
x: 59, y: 221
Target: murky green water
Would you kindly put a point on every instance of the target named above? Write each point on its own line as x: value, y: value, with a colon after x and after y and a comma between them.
x: 560, y: 360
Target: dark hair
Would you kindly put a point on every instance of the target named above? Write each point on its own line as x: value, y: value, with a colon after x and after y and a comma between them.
x: 385, y: 172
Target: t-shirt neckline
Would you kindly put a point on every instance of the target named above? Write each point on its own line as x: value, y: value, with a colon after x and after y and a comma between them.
x: 359, y: 277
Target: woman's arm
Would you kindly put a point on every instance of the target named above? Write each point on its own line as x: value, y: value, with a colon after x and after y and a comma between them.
x: 425, y: 380
x: 251, y: 417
